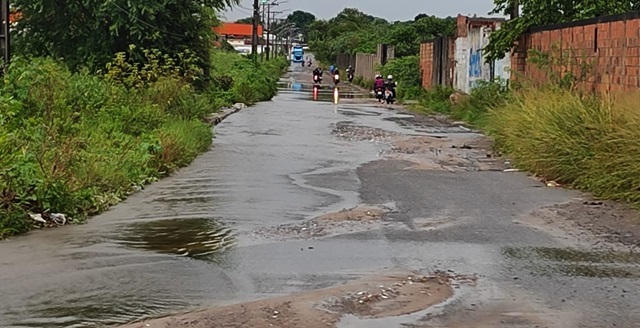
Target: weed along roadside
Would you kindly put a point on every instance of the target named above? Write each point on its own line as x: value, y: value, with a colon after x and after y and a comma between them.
x: 72, y: 144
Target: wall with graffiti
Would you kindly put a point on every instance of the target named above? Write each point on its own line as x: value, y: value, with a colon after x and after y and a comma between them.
x: 471, y: 65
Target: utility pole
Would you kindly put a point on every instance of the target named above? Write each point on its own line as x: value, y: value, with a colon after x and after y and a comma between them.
x: 264, y: 26
x: 5, y: 43
x: 254, y: 39
x: 273, y: 3
x: 269, y: 28
x: 275, y: 53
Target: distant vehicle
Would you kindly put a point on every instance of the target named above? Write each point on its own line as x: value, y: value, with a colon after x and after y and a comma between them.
x: 297, y: 54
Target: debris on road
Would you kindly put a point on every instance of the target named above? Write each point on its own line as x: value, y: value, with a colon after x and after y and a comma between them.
x: 47, y: 220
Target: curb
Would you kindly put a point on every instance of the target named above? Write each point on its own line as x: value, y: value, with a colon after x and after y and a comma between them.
x: 217, y: 118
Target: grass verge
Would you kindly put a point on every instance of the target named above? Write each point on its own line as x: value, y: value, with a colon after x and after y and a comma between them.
x: 78, y: 143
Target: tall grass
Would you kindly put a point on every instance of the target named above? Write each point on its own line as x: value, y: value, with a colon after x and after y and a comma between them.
x: 586, y: 142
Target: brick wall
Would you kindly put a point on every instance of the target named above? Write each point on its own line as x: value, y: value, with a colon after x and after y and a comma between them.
x: 608, y: 46
x: 426, y: 64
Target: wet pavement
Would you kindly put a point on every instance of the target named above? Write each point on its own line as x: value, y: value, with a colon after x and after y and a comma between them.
x: 228, y: 228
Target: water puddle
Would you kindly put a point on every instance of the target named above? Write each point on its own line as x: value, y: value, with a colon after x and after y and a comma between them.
x: 353, y: 111
x: 194, y: 238
x: 576, y: 263
x: 321, y: 93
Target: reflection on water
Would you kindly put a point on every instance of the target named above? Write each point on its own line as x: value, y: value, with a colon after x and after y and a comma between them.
x: 322, y: 93
x: 100, y: 312
x: 195, y: 238
x: 576, y: 263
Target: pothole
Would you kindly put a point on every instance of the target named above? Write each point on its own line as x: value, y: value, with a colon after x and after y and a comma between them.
x: 361, y: 218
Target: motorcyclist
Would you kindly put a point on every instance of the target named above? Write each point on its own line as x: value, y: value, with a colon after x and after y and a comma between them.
x: 378, y: 84
x: 336, y: 71
x: 317, y: 72
x: 331, y: 68
x: 350, y: 73
x: 391, y: 85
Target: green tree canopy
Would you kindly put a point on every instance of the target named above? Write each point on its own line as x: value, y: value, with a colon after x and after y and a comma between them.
x: 87, y: 33
x: 353, y: 31
x: 246, y: 20
x: 302, y: 20
x: 543, y: 12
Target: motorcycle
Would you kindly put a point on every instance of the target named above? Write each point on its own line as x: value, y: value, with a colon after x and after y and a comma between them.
x: 317, y: 79
x: 379, y: 94
x: 388, y: 96
x: 350, y: 77
x: 309, y: 64
x: 336, y: 79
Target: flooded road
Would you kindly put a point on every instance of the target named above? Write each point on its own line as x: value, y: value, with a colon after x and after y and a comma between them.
x: 241, y: 223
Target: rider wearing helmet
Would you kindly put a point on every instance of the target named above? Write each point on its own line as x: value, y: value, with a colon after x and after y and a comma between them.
x: 391, y: 85
x: 378, y: 84
x: 317, y: 72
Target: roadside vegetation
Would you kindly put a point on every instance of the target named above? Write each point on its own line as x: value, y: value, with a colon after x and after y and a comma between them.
x: 85, y: 120
x: 577, y: 139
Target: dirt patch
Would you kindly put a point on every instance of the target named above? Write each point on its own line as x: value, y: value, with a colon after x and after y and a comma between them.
x: 374, y: 297
x: 472, y: 153
x: 590, y: 222
x: 350, y: 132
x: 455, y: 152
x: 354, y: 214
x: 361, y: 218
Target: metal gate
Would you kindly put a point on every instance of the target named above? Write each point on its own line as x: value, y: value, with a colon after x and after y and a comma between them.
x: 442, y: 61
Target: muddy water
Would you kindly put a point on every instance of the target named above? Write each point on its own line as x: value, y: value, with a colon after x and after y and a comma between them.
x: 175, y: 244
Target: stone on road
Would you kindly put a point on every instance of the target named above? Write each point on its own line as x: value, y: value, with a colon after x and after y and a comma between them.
x: 307, y: 213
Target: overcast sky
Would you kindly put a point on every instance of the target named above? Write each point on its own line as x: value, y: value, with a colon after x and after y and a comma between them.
x: 389, y: 10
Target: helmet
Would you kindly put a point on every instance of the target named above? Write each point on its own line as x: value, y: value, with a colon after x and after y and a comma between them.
x: 378, y: 76
x: 390, y: 77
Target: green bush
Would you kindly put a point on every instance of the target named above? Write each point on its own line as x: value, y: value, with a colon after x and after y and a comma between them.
x: 77, y: 143
x: 406, y: 75
x: 485, y: 96
x: 247, y: 84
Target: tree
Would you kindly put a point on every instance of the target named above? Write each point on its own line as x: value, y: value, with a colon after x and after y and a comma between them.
x: 87, y: 33
x: 246, y: 20
x: 353, y: 31
x: 419, y: 16
x: 302, y: 20
x: 543, y: 12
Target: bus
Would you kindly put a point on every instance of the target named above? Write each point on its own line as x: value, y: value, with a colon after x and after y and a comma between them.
x: 297, y: 54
